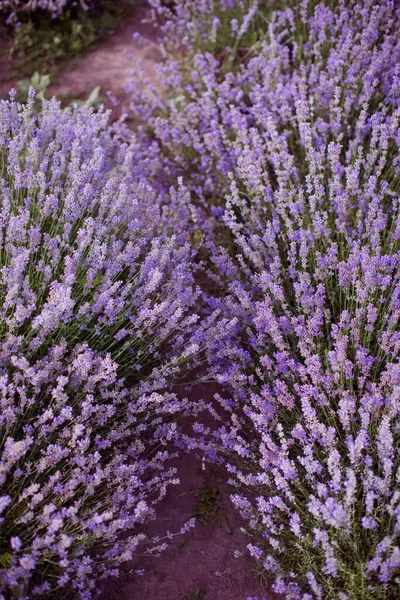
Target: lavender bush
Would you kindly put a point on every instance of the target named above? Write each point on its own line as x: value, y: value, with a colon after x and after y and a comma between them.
x: 343, y: 53
x: 55, y: 7
x: 306, y: 340
x: 310, y: 367
x: 96, y: 299
x: 301, y: 138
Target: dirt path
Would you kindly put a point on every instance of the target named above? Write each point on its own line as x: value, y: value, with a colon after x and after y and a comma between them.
x: 202, y: 559
x: 111, y: 64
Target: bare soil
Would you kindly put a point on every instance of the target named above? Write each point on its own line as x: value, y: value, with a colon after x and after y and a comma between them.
x: 109, y: 66
x: 202, y: 559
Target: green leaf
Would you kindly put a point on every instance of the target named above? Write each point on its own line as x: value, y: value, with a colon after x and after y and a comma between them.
x: 94, y: 95
x: 6, y: 560
x: 225, y: 525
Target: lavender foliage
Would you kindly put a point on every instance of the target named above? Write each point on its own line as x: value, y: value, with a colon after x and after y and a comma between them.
x: 297, y: 146
x: 13, y: 8
x: 96, y: 301
x: 343, y: 53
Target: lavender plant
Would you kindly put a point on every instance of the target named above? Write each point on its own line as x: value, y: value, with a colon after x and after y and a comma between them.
x: 343, y: 53
x: 220, y: 27
x: 96, y: 298
x: 305, y: 342
x: 55, y: 7
x: 302, y: 138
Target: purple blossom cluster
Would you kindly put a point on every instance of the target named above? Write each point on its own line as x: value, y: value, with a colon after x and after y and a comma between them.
x: 284, y: 125
x: 13, y: 8
x: 96, y: 306
x: 292, y: 150
x: 342, y: 54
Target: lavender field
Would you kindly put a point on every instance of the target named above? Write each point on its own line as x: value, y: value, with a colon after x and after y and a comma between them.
x: 200, y: 300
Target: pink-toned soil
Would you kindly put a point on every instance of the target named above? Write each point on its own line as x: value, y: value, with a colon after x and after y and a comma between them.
x: 109, y: 66
x: 202, y: 558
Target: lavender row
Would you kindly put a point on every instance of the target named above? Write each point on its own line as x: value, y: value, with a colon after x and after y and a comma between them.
x: 288, y: 142
x: 13, y: 8
x: 97, y: 304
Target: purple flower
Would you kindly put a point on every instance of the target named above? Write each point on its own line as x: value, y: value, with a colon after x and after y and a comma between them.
x: 95, y: 281
x: 54, y: 7
x: 295, y: 145
x: 368, y: 523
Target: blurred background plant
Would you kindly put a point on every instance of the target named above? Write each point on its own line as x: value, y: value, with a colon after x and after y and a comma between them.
x: 40, y: 83
x: 43, y: 38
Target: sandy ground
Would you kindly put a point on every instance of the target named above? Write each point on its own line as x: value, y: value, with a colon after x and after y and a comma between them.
x: 110, y: 66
